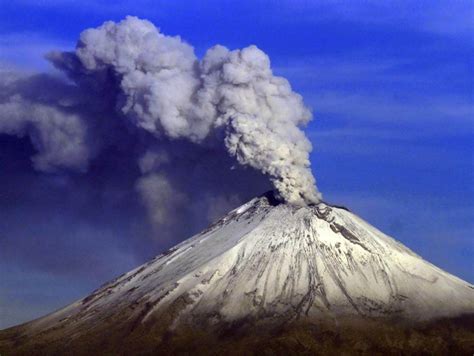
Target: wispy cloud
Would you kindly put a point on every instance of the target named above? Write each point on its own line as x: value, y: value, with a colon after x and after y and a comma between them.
x: 27, y: 50
x: 438, y: 17
x: 441, y: 17
x: 398, y: 93
x: 453, y: 113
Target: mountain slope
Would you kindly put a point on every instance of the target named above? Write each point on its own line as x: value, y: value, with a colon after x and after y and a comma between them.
x: 264, y: 263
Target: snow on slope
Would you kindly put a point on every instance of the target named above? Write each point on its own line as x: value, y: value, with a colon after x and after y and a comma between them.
x: 276, y: 260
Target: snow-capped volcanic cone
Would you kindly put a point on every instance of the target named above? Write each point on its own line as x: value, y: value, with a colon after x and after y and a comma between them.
x: 264, y: 265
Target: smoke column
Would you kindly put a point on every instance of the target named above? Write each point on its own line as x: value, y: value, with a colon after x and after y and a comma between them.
x: 205, y: 134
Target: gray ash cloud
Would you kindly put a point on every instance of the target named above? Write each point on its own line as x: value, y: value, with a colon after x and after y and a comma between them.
x: 203, y: 135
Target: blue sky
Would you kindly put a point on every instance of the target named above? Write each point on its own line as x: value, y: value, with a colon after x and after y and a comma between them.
x: 391, y: 88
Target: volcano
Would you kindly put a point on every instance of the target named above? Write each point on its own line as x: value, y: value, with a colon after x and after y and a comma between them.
x: 267, y: 277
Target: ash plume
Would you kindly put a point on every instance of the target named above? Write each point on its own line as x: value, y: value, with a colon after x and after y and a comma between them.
x: 203, y: 132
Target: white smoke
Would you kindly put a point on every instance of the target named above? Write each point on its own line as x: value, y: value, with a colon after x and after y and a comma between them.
x: 262, y: 118
x: 205, y: 135
x: 59, y: 137
x: 156, y: 73
x: 165, y: 90
x: 161, y: 199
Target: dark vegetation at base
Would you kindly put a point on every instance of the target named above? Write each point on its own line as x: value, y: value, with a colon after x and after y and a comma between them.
x: 347, y: 337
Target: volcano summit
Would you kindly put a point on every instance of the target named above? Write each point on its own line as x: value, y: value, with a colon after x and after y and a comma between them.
x: 272, y: 277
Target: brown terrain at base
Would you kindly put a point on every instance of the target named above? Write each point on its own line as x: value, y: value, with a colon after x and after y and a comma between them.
x: 346, y: 336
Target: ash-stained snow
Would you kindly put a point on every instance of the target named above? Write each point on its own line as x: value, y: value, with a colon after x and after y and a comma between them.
x: 268, y: 260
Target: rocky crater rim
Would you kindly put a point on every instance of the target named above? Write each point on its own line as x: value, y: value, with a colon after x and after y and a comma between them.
x: 273, y: 199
